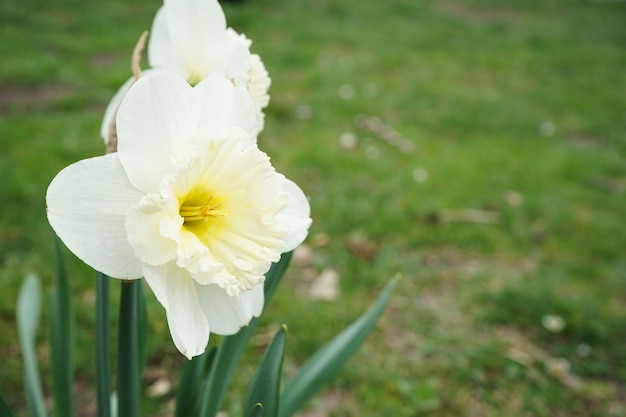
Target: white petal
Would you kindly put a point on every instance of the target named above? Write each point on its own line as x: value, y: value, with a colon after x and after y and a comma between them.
x: 114, y: 104
x: 111, y: 110
x: 296, y: 215
x: 235, y: 63
x: 157, y: 116
x: 235, y: 36
x: 160, y: 49
x: 197, y: 29
x: 258, y: 85
x: 175, y: 290
x: 152, y: 226
x: 87, y: 204
x: 196, y: 258
x: 228, y: 314
x: 225, y: 106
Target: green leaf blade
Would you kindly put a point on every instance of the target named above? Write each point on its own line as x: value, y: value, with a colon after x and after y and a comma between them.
x: 28, y: 309
x: 265, y: 385
x: 274, y: 276
x: 327, y: 361
x: 5, y: 411
x: 190, y: 384
x: 257, y: 411
x: 232, y: 347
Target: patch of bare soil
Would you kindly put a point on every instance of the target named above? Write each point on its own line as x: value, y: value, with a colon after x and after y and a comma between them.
x: 324, y: 405
x: 464, y: 12
x: 18, y: 96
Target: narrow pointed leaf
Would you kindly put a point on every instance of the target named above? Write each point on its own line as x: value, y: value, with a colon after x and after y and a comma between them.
x: 103, y: 366
x: 257, y: 411
x: 127, y: 368
x: 28, y: 309
x: 274, y: 275
x: 232, y: 347
x: 226, y: 359
x: 61, y: 339
x: 325, y: 363
x: 4, y: 408
x: 191, y: 383
x: 265, y: 385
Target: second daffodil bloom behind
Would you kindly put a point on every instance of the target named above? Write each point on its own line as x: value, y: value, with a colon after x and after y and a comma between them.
x: 188, y: 201
x: 190, y: 39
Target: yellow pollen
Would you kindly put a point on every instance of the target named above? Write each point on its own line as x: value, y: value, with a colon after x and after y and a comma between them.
x: 203, y: 212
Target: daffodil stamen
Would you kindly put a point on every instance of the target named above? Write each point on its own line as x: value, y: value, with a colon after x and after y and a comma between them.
x: 192, y: 213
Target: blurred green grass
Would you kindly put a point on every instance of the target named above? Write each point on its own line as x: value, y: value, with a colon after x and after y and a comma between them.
x: 513, y: 108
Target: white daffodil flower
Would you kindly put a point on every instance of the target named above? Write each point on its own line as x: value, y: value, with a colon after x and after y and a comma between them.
x: 188, y: 201
x: 190, y: 39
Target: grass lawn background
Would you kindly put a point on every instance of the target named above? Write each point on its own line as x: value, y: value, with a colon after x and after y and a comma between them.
x: 406, y: 122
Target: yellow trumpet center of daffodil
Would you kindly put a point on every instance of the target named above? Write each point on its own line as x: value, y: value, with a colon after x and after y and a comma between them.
x: 196, y: 209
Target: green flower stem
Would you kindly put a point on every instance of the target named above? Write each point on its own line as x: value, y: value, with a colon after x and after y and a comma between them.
x: 103, y: 367
x: 127, y: 371
x: 61, y: 339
